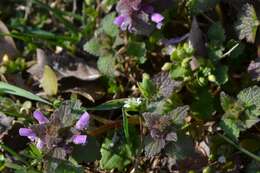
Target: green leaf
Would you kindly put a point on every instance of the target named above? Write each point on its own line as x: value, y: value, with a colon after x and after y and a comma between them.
x: 230, y: 127
x: 138, y: 50
x: 153, y: 147
x: 147, y: 87
x: 106, y: 65
x: 110, y: 105
x: 203, y: 104
x: 247, y: 24
x: 117, y: 158
x: 49, y: 81
x: 216, y: 33
x: 226, y: 101
x: 250, y: 96
x: 253, y: 167
x: 88, y: 152
x: 13, y: 90
x: 182, y: 148
x: 221, y: 74
x: 178, y: 72
x: 178, y: 115
x: 66, y: 114
x: 66, y: 167
x: 93, y: 47
x: 108, y: 26
x: 200, y: 6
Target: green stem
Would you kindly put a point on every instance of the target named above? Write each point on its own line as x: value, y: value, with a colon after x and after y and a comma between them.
x: 257, y: 158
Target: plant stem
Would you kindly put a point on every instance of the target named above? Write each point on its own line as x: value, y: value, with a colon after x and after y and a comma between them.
x: 252, y: 155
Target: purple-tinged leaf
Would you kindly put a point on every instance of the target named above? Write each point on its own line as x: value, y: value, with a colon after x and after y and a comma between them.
x: 196, y: 39
x: 254, y: 69
x: 166, y: 85
x: 172, y: 136
x: 153, y: 147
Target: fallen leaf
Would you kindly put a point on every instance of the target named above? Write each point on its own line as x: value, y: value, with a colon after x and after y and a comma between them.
x: 49, y: 81
x: 196, y: 39
x: 7, y: 44
x: 64, y: 66
x: 37, y: 70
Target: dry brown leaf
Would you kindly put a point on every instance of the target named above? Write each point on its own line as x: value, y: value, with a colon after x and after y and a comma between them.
x: 65, y: 66
x: 7, y: 44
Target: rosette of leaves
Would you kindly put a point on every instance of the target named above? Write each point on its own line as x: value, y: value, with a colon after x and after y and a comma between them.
x: 161, y: 129
x: 58, y: 131
x: 247, y: 23
x: 241, y: 113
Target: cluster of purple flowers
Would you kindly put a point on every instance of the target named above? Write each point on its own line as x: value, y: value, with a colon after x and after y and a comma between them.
x: 42, y: 120
x: 129, y: 10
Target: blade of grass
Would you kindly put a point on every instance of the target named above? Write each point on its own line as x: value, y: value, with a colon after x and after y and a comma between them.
x: 12, y: 152
x: 13, y: 90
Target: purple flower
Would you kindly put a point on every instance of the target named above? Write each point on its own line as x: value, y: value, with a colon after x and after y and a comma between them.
x: 40, y: 143
x: 27, y: 132
x: 157, y: 18
x: 39, y: 134
x: 83, y: 121
x: 79, y: 139
x: 124, y: 22
x: 40, y: 117
x: 135, y: 15
x: 119, y: 20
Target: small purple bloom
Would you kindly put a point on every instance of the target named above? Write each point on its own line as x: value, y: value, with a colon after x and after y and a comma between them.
x: 79, y: 139
x: 159, y: 25
x: 83, y: 121
x: 40, y: 144
x: 40, y: 117
x: 28, y: 133
x: 119, y: 20
x: 157, y: 17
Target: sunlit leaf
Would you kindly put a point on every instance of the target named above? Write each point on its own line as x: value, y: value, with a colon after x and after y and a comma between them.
x: 49, y: 81
x: 247, y: 24
x: 13, y: 90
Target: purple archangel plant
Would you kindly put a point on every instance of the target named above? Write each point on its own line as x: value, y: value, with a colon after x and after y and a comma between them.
x: 46, y: 133
x: 134, y: 15
x: 161, y: 132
